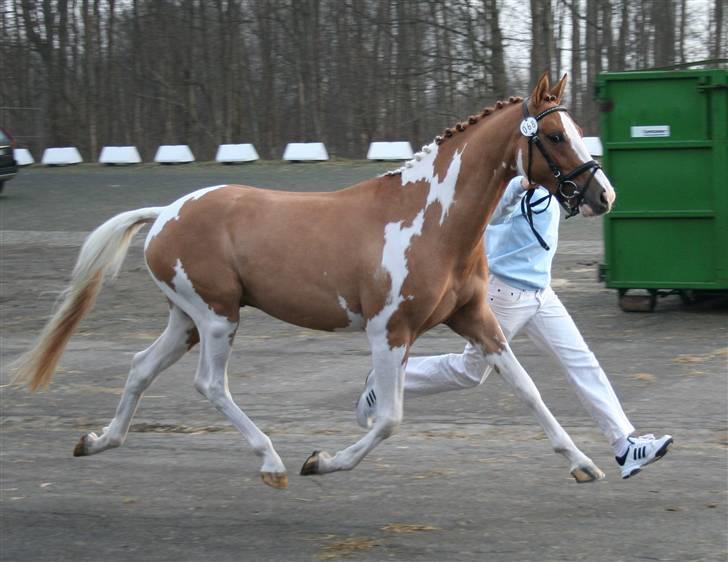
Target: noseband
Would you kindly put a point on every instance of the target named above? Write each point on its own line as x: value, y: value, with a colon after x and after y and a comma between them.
x: 569, y: 194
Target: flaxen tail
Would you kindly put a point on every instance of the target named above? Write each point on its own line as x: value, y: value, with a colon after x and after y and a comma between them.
x: 101, y: 256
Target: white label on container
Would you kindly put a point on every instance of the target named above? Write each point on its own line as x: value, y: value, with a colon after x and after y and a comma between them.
x: 650, y: 131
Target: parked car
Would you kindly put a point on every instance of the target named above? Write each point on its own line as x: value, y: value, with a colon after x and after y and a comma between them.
x: 8, y: 165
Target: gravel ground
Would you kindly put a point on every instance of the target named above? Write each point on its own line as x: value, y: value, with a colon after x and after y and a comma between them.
x: 469, y: 476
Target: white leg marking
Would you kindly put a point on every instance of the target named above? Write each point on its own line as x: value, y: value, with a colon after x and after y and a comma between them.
x: 212, y: 382
x: 506, y: 364
x: 389, y: 387
x: 145, y: 367
x: 216, y: 335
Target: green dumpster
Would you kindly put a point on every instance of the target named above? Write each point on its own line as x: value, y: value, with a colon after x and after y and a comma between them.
x: 665, y: 140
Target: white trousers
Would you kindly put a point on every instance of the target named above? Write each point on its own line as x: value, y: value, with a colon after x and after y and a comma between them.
x: 547, y: 322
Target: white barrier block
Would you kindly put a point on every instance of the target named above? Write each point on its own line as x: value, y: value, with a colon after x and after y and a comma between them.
x: 119, y: 155
x: 398, y: 150
x: 23, y: 156
x: 61, y: 156
x: 229, y: 153
x: 594, y: 146
x: 305, y: 151
x: 174, y: 154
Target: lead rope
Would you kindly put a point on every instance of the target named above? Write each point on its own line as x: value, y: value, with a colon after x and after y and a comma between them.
x: 527, y: 210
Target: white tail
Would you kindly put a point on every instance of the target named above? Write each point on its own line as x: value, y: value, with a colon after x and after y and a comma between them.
x: 101, y: 256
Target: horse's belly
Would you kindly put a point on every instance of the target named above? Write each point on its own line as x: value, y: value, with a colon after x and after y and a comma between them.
x: 304, y: 303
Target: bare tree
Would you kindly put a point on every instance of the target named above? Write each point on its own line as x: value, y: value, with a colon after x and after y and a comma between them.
x: 542, y: 42
x: 345, y: 72
x: 719, y: 47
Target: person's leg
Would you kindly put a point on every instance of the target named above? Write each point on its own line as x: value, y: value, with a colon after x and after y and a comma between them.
x: 456, y: 371
x: 553, y: 330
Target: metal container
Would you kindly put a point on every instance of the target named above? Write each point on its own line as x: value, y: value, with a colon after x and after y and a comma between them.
x: 665, y: 139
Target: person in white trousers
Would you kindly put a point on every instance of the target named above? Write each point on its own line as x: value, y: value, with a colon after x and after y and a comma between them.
x: 520, y: 253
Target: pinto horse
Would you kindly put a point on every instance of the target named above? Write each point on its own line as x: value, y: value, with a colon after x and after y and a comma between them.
x: 392, y: 256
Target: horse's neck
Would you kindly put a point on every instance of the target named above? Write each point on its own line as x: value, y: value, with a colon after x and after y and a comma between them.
x: 484, y: 159
x: 452, y: 187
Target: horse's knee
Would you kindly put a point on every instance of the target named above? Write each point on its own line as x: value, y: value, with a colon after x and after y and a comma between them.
x: 214, y: 391
x: 387, y: 426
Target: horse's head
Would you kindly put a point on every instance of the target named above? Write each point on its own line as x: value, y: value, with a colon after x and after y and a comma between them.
x: 551, y: 153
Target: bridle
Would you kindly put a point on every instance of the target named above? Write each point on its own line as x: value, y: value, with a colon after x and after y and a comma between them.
x: 569, y: 194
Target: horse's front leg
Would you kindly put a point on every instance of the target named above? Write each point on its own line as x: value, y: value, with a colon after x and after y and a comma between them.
x: 477, y: 323
x: 389, y: 363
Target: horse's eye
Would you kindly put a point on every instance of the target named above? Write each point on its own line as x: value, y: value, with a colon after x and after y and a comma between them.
x: 556, y: 138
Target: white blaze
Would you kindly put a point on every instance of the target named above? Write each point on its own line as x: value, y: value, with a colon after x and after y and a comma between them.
x: 578, y: 146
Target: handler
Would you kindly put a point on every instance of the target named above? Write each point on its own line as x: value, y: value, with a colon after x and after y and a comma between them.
x: 520, y: 251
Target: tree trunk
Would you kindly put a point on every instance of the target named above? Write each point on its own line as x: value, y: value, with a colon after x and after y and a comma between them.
x: 497, y: 52
x: 542, y: 39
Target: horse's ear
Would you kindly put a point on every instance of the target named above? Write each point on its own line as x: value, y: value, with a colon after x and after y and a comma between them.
x: 558, y: 89
x: 540, y: 90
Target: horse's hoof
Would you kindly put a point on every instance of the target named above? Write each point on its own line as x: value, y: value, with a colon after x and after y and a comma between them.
x: 278, y: 480
x: 311, y: 465
x: 81, y: 448
x: 587, y: 473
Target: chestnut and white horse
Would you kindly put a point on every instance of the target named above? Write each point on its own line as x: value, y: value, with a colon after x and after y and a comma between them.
x: 392, y: 256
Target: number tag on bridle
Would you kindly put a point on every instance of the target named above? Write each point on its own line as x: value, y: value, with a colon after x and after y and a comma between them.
x: 529, y: 127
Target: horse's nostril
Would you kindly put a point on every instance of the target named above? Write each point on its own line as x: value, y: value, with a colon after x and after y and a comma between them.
x: 604, y: 199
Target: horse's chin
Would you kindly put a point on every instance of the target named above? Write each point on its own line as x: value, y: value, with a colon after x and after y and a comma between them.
x: 586, y: 210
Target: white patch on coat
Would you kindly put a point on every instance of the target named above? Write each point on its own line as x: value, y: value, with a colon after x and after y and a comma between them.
x: 397, y: 240
x: 356, y: 321
x: 183, y: 294
x: 171, y: 212
x: 423, y: 169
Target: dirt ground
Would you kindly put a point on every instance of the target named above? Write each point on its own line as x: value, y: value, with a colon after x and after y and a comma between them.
x: 469, y: 476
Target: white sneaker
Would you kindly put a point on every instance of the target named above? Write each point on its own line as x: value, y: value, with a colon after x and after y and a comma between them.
x: 642, y: 451
x: 366, y: 406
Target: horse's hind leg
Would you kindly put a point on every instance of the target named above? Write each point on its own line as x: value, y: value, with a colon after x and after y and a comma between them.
x: 176, y: 339
x: 211, y: 381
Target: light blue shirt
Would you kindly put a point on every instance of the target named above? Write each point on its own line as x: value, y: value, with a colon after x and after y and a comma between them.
x: 514, y: 253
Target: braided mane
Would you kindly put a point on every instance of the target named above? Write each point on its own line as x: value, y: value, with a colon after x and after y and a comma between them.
x: 460, y: 127
x: 473, y: 119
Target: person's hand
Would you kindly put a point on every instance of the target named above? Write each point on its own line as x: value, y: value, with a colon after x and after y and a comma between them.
x: 524, y: 183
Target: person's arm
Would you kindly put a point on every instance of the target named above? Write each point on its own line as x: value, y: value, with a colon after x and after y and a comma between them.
x: 515, y: 190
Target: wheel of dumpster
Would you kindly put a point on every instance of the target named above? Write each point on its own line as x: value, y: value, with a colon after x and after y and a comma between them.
x: 637, y: 303
x: 688, y: 297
